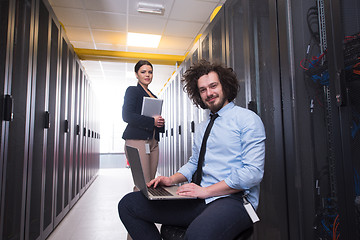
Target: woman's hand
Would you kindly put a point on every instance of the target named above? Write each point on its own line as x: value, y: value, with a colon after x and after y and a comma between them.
x: 159, y: 121
x: 193, y: 190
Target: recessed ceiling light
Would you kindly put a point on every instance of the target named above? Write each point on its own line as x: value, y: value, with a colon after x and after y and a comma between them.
x: 143, y: 40
x: 144, y: 7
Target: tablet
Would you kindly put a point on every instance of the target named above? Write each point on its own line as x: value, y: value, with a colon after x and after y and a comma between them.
x: 151, y: 106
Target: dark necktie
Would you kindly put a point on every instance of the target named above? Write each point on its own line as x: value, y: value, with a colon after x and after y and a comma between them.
x: 198, y: 174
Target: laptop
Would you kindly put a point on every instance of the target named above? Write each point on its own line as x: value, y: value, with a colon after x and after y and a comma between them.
x: 158, y: 193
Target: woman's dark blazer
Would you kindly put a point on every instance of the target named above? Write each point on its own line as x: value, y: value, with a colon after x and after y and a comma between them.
x: 139, y: 127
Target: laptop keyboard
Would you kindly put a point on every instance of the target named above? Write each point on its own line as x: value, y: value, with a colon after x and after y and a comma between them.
x: 159, y: 191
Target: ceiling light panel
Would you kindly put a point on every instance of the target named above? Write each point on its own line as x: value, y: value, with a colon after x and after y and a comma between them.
x: 144, y: 7
x: 133, y: 6
x: 143, y: 40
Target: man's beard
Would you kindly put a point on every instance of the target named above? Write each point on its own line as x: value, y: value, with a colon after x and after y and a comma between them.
x: 215, y: 107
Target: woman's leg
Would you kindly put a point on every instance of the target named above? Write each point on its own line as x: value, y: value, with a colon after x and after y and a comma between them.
x: 154, y: 157
x: 144, y: 157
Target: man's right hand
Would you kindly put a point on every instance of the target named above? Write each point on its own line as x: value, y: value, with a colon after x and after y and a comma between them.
x: 167, y: 181
x: 161, y: 180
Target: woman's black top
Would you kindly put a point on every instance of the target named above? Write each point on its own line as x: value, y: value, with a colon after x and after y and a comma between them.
x: 139, y: 127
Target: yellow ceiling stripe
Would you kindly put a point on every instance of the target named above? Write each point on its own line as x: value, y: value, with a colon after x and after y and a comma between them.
x: 216, y: 10
x: 102, y: 55
x: 197, y: 38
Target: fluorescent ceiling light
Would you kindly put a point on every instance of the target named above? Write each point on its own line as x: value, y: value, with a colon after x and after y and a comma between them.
x: 143, y: 40
x: 150, y: 8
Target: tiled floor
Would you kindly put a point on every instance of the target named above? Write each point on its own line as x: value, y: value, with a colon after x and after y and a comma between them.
x: 95, y: 216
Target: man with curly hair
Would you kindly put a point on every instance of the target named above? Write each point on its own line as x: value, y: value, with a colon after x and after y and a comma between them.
x: 229, y: 172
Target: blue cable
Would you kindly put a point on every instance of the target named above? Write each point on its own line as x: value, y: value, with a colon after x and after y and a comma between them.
x: 323, y: 79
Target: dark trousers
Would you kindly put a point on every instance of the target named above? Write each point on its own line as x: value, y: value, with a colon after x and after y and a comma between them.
x: 223, y: 218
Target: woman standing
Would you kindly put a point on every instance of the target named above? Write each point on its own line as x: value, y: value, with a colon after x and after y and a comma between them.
x: 142, y: 132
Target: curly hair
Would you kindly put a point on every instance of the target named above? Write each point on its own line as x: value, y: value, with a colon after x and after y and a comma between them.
x: 227, y: 77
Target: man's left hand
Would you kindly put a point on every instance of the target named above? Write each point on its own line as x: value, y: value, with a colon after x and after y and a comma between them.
x: 192, y: 190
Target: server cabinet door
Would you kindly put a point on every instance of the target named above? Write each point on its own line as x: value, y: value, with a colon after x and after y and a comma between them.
x: 13, y: 188
x: 84, y: 138
x: 217, y: 28
x: 38, y: 130
x: 69, y: 130
x: 212, y: 41
x: 51, y: 151
x: 76, y: 131
x: 343, y: 61
x: 4, y: 53
x: 81, y: 132
x: 62, y: 131
x: 204, y: 46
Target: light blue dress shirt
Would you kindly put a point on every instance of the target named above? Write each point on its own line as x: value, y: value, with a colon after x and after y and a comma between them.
x: 235, y: 152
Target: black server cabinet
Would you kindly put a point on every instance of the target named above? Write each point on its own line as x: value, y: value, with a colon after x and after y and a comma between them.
x: 38, y: 126
x: 322, y: 175
x: 298, y: 67
x: 81, y: 133
x: 252, y: 51
x: 50, y: 114
x: 342, y: 57
x: 212, y: 41
x: 60, y: 179
x: 41, y: 94
x: 5, y: 40
x: 74, y: 195
x: 68, y: 130
x: 15, y: 136
x: 85, y: 134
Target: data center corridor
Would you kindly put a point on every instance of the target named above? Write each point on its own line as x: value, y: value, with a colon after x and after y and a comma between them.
x: 95, y: 215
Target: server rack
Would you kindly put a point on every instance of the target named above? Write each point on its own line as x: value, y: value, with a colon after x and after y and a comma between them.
x: 41, y: 82
x: 297, y: 63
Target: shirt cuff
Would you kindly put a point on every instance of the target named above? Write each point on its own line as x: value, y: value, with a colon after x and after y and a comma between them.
x: 186, y: 173
x: 232, y: 184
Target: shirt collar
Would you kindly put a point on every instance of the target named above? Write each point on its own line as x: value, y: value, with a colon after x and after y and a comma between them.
x: 227, y: 107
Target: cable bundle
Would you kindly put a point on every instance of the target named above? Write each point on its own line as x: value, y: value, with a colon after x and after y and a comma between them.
x: 317, y: 68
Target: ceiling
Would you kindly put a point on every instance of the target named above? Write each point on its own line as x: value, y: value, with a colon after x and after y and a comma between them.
x: 97, y: 29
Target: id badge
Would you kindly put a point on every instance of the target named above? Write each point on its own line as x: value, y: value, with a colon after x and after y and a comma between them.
x: 250, y: 210
x: 147, y: 148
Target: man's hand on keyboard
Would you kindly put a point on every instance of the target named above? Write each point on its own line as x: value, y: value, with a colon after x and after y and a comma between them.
x: 160, y: 181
